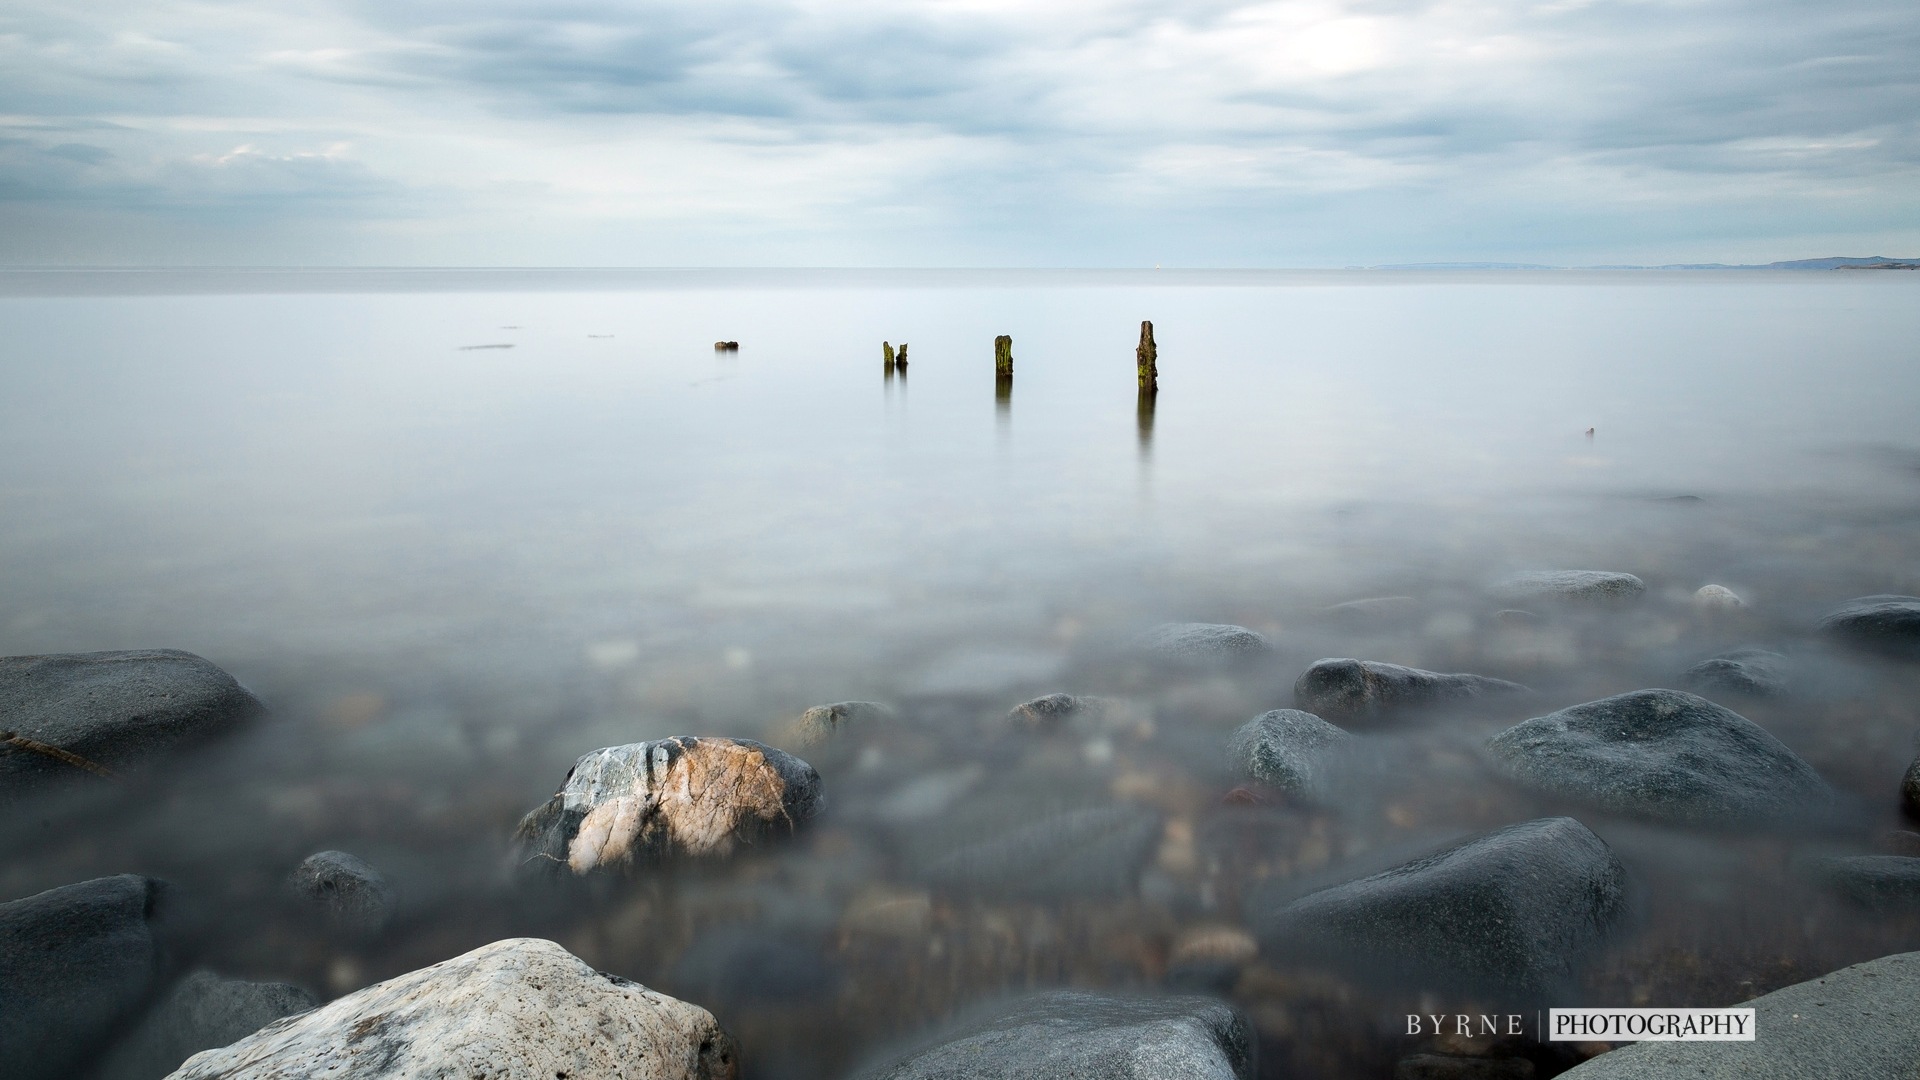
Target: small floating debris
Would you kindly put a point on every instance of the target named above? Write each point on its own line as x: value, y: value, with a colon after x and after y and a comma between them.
x: 471, y: 348
x: 599, y: 335
x: 726, y: 346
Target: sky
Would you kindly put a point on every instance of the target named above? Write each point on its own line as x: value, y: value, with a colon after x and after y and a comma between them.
x: 1089, y: 133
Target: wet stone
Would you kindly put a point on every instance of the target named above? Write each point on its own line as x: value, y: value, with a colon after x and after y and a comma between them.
x: 111, y: 709
x: 1095, y: 851
x: 1508, y: 913
x: 1287, y: 749
x: 1456, y: 1067
x: 1373, y: 611
x: 823, y: 722
x: 76, y: 964
x: 1369, y: 689
x: 1881, y: 882
x: 201, y: 1012
x: 1205, y: 642
x: 520, y: 1007
x: 354, y: 897
x: 1717, y: 598
x: 687, y: 795
x: 1080, y: 714
x: 1069, y: 1035
x: 1910, y: 790
x: 1664, y: 755
x: 1884, y: 624
x: 1749, y: 672
x: 1581, y: 585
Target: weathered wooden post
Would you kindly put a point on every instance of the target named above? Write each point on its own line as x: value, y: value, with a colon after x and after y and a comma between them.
x: 1146, y: 360
x: 900, y: 358
x: 886, y: 355
x: 1003, y: 356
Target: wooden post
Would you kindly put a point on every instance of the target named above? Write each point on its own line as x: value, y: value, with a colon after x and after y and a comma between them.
x: 1003, y: 356
x: 1145, y: 360
x: 900, y: 358
x: 886, y: 354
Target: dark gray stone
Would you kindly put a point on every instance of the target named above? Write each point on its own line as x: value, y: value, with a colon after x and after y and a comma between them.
x: 1096, y: 851
x: 1069, y: 1035
x: 1287, y: 748
x: 202, y: 1011
x: 1910, y: 789
x: 1457, y: 1067
x: 114, y: 709
x: 1205, y: 642
x: 1748, y: 672
x: 1510, y: 913
x: 1369, y: 689
x: 77, y: 965
x: 1882, y: 882
x: 1665, y: 755
x: 354, y: 897
x: 1858, y: 1022
x: 1884, y: 624
x: 1080, y: 714
x: 1571, y: 585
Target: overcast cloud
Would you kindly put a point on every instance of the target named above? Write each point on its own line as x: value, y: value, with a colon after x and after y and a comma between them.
x: 969, y: 132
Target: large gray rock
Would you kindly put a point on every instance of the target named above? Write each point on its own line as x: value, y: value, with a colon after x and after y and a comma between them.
x: 1571, y: 585
x: 1884, y: 882
x: 1093, y: 851
x: 1665, y: 755
x: 516, y: 1008
x: 1508, y: 913
x: 687, y: 795
x: 1288, y: 749
x: 1886, y: 624
x: 113, y: 709
x: 1858, y: 1022
x: 201, y: 1012
x: 1368, y: 689
x: 1205, y: 642
x: 1069, y: 1035
x: 1748, y: 672
x: 354, y: 898
x: 77, y: 965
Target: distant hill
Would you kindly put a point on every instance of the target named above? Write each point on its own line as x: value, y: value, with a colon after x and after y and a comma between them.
x: 1875, y: 262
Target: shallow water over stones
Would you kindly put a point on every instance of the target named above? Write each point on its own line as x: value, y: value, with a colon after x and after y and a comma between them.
x: 450, y: 575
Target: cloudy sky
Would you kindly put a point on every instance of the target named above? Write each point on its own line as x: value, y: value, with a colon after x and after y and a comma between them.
x: 956, y: 132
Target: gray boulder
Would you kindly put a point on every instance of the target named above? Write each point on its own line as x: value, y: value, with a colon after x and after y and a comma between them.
x: 1094, y: 851
x: 1080, y: 714
x: 77, y: 965
x: 201, y: 1012
x: 1747, y: 672
x: 354, y: 897
x: 1583, y: 585
x: 1910, y: 789
x: 1508, y: 913
x: 1205, y: 642
x: 1287, y: 748
x: 823, y: 722
x: 110, y: 709
x: 516, y: 1008
x: 1069, y: 1035
x: 1885, y: 624
x: 1369, y: 689
x: 1858, y: 1022
x: 687, y: 795
x: 1666, y: 755
x: 1882, y: 882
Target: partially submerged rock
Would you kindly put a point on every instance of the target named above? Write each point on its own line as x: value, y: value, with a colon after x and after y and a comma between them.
x: 1885, y: 624
x: 1665, y: 755
x: 1081, y: 714
x: 1287, y: 749
x: 1373, y: 610
x: 110, y: 709
x: 687, y: 795
x: 516, y: 1008
x: 1344, y: 687
x: 354, y: 897
x: 1749, y: 672
x: 823, y: 722
x: 1205, y: 642
x: 1717, y: 598
x: 1070, y: 1035
x: 1510, y: 912
x: 78, y: 963
x: 1571, y: 585
x: 1883, y: 882
x: 1857, y: 1022
x: 1910, y: 789
x: 201, y: 1012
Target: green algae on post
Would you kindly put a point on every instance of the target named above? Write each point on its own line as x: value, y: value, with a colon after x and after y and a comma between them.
x: 1145, y: 360
x: 1003, y: 356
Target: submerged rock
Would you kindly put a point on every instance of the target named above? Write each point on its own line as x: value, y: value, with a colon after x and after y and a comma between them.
x: 1205, y: 642
x: 1342, y: 687
x: 1886, y: 624
x: 1096, y: 851
x: 1572, y: 585
x: 1373, y: 611
x: 1070, y: 1035
x: 823, y: 722
x: 1509, y: 912
x: 1857, y: 1022
x: 1883, y: 882
x: 1666, y: 755
x: 355, y: 897
x: 1081, y: 714
x: 201, y: 1012
x: 1287, y: 749
x: 1712, y: 598
x: 516, y: 1008
x: 76, y: 964
x: 1910, y: 789
x: 687, y: 795
x: 111, y: 709
x: 1752, y: 672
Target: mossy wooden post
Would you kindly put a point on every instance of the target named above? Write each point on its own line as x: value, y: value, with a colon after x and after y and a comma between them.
x: 1146, y: 359
x: 886, y: 354
x: 900, y: 358
x: 1003, y: 356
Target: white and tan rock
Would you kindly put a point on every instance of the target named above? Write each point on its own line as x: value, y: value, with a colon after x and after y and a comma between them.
x: 1717, y: 598
x: 824, y: 722
x: 687, y: 795
x: 520, y: 1008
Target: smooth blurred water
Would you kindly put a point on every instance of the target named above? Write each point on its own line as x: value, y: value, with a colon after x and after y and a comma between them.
x: 452, y: 567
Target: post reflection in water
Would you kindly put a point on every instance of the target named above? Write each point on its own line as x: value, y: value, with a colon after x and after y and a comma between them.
x: 1143, y: 417
x: 1003, y: 402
